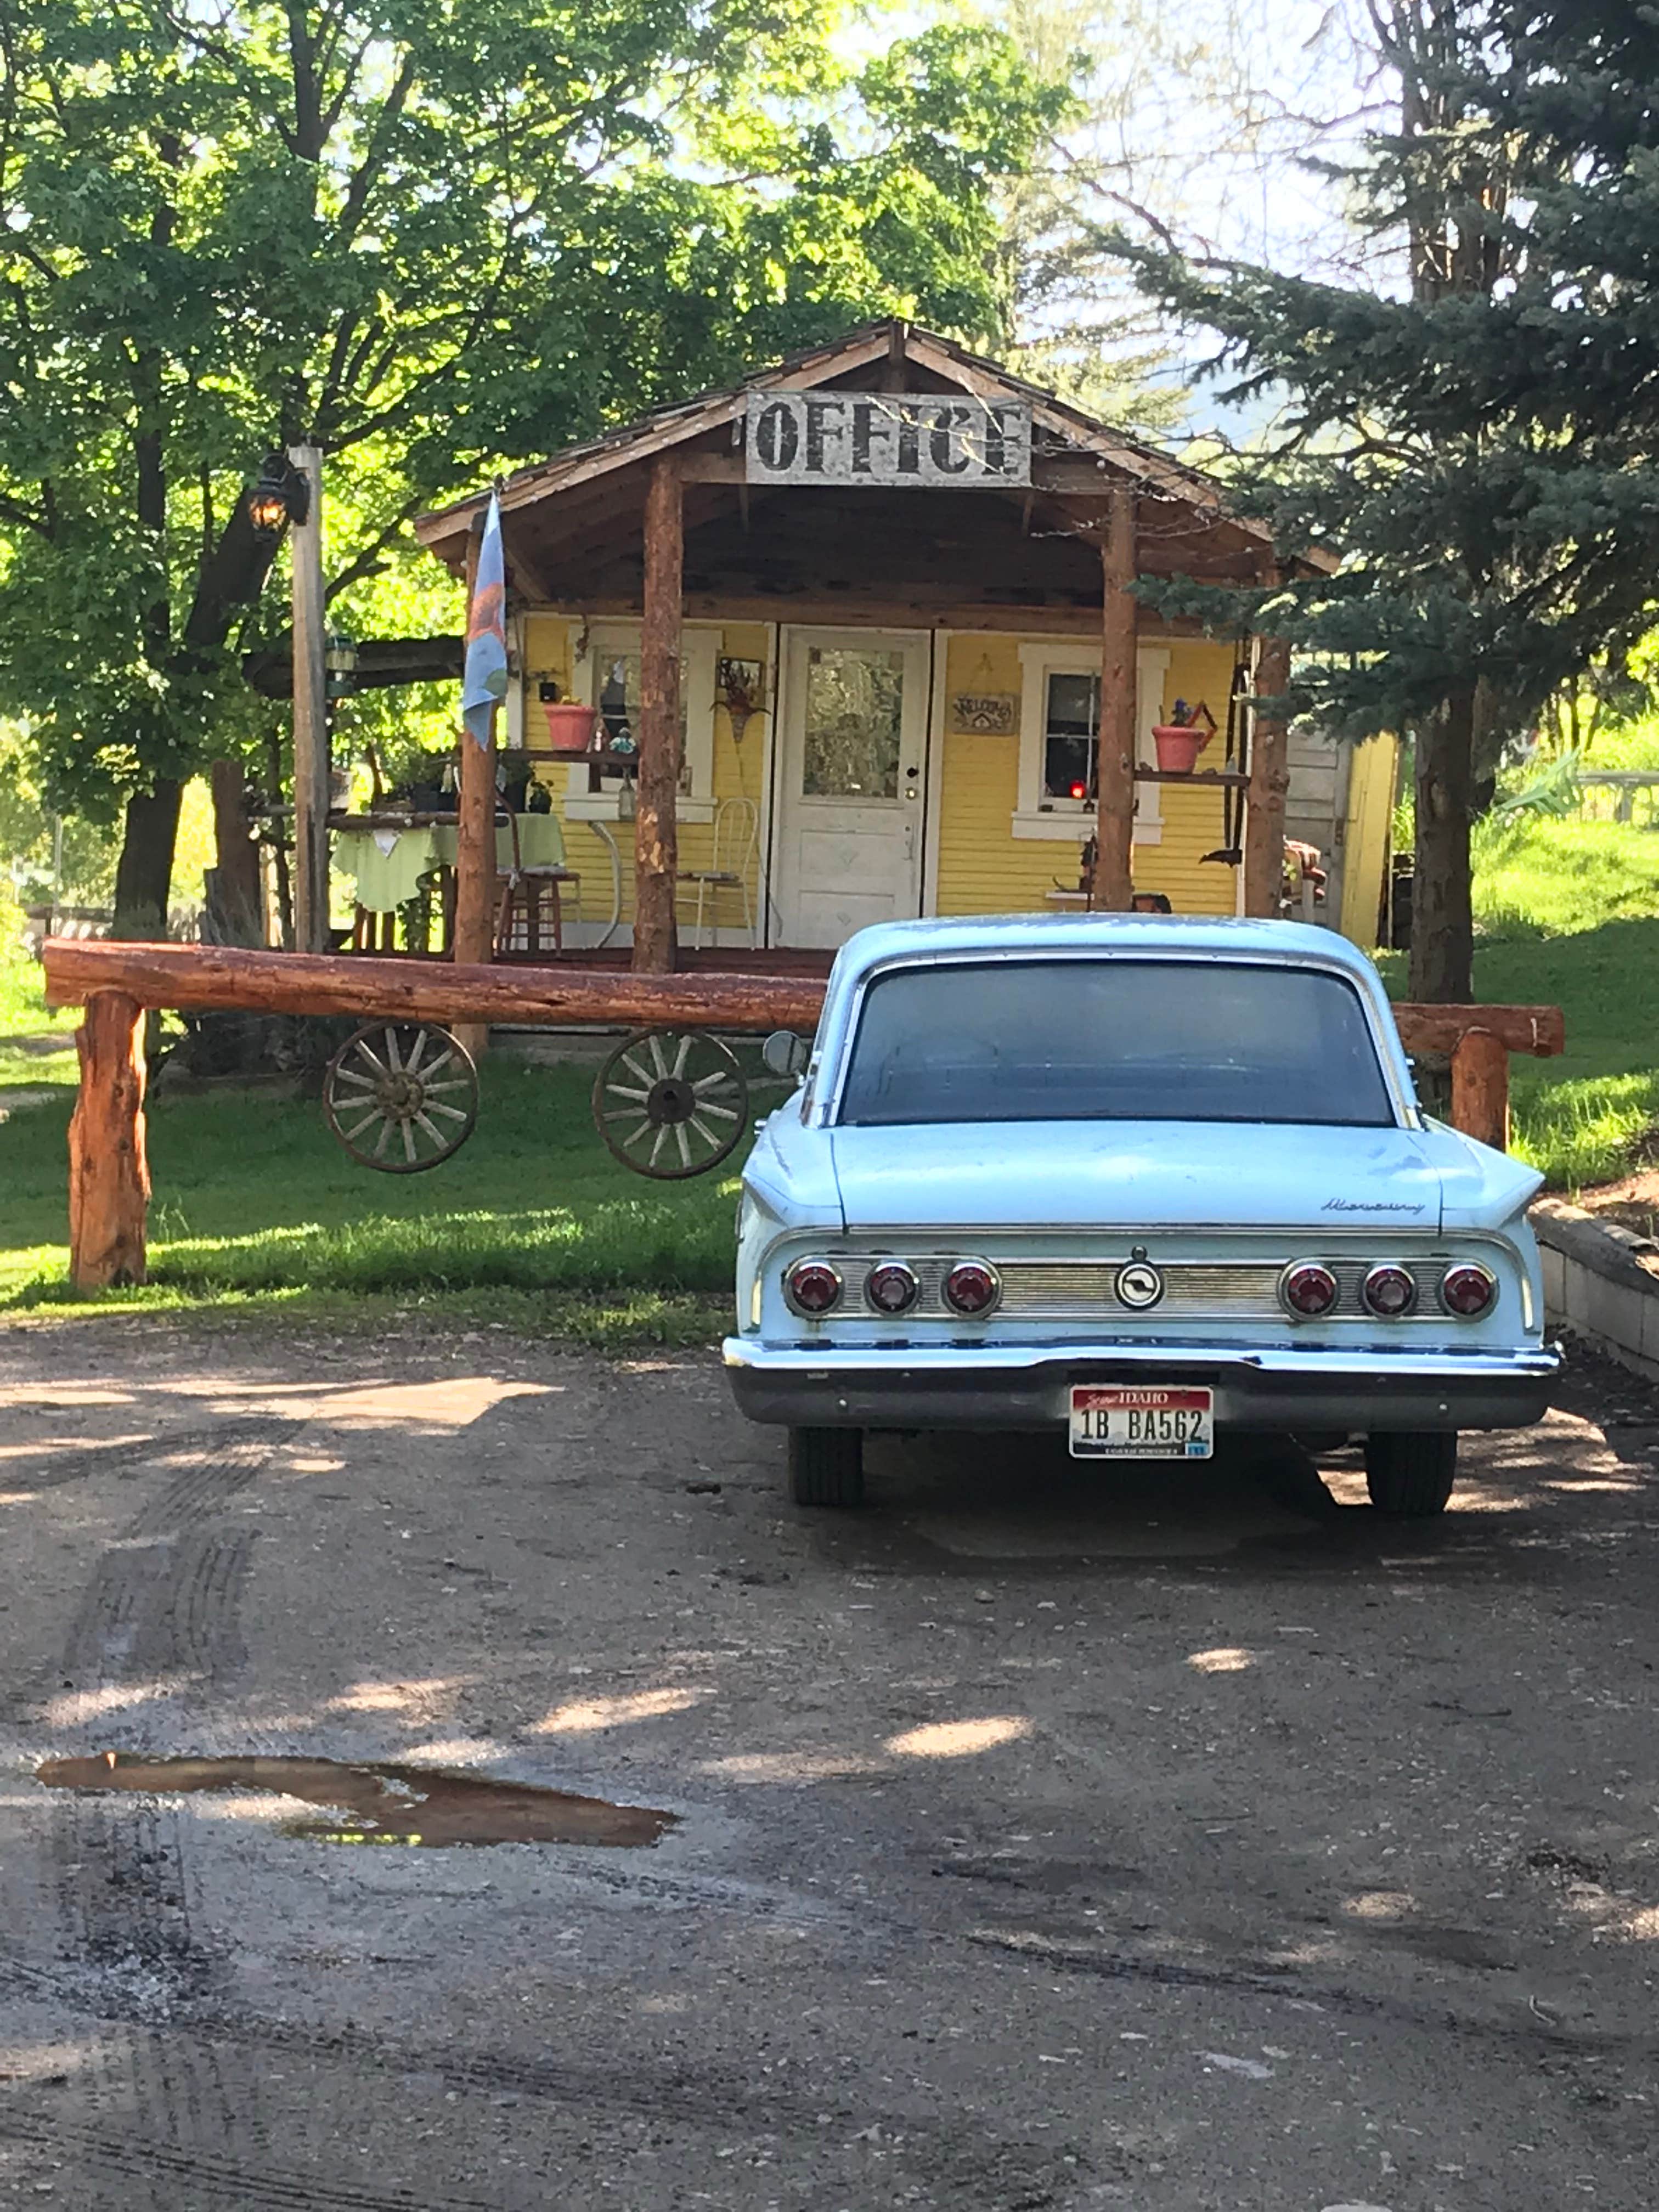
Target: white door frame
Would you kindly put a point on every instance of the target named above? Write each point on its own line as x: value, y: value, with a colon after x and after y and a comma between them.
x: 773, y: 813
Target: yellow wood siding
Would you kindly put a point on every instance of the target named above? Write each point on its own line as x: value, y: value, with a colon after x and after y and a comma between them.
x: 984, y: 868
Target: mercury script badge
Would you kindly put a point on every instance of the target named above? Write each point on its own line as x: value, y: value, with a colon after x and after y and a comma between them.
x: 1139, y: 1285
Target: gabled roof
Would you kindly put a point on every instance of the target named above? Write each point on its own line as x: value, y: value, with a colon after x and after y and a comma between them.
x: 1068, y: 429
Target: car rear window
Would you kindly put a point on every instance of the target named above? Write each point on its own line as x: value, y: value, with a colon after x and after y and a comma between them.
x: 1114, y: 1040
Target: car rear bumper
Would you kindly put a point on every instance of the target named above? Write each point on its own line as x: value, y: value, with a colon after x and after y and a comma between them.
x: 1028, y: 1386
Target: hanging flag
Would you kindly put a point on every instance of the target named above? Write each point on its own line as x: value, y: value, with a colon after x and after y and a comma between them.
x: 483, y: 674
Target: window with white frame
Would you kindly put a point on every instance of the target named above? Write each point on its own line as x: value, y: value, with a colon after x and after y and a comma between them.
x: 1060, y: 739
x: 605, y: 674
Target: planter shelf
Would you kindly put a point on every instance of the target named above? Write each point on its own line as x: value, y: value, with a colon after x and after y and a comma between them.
x: 1216, y: 776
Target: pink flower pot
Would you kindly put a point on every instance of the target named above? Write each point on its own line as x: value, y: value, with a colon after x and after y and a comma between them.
x: 1177, y: 749
x: 569, y: 725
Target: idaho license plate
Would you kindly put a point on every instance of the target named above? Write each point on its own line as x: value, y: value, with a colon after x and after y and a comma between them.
x: 1109, y: 1422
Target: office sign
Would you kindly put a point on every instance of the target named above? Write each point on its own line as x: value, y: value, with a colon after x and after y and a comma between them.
x: 938, y: 438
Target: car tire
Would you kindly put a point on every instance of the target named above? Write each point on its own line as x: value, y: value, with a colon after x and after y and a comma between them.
x: 826, y: 1467
x: 1411, y: 1474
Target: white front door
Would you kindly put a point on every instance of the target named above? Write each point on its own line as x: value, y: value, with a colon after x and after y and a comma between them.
x: 852, y: 774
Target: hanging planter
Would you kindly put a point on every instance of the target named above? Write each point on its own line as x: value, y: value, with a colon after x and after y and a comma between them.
x: 1181, y: 739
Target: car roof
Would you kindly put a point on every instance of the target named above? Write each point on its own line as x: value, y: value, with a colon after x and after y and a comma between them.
x: 1003, y: 934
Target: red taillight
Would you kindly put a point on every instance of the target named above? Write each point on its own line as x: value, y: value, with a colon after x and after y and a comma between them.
x: 971, y: 1287
x: 1389, y: 1291
x: 1468, y: 1290
x: 891, y: 1288
x: 814, y: 1287
x: 1309, y: 1290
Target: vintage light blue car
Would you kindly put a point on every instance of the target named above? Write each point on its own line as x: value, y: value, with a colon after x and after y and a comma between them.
x: 1148, y: 1180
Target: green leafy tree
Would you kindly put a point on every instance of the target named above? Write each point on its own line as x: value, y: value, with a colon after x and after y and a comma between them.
x: 432, y: 240
x: 1476, y: 444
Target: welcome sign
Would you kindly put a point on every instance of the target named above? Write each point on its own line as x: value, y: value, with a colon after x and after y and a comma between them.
x: 938, y: 438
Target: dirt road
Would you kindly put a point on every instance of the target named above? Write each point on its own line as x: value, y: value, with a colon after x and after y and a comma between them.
x: 1043, y: 1839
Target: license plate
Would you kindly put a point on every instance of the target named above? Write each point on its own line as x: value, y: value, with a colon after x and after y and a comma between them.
x: 1109, y: 1422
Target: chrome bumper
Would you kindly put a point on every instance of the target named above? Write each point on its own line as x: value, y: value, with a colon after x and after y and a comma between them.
x: 1028, y: 1386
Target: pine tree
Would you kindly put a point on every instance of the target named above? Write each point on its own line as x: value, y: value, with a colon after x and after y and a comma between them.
x: 1476, y: 448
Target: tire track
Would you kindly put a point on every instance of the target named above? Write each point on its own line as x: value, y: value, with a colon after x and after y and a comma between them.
x: 161, y: 1617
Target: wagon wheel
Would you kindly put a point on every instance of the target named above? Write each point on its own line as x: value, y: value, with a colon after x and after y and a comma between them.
x: 670, y: 1103
x: 401, y: 1096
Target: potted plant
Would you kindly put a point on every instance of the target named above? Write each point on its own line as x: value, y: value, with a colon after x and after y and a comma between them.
x: 1181, y: 739
x: 569, y: 721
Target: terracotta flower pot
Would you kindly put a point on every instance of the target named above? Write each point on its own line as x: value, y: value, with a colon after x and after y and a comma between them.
x: 569, y: 725
x: 1178, y: 748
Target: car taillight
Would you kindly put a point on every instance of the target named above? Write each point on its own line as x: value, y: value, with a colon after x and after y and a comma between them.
x: 1389, y: 1291
x: 814, y: 1287
x: 891, y: 1288
x: 1309, y: 1290
x: 1468, y: 1290
x: 971, y: 1287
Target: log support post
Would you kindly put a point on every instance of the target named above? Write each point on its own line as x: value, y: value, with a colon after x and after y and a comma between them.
x: 109, y: 1173
x: 474, y: 937
x: 656, y: 842
x: 1112, y: 888
x: 1480, y: 1088
x: 1270, y: 780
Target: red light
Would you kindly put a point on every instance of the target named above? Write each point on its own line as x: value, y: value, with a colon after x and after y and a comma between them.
x: 1309, y: 1290
x: 1079, y: 790
x: 1467, y: 1291
x: 891, y: 1288
x: 814, y: 1287
x: 971, y: 1288
x: 1390, y: 1291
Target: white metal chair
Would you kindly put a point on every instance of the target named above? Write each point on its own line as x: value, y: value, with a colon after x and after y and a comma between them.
x: 731, y: 862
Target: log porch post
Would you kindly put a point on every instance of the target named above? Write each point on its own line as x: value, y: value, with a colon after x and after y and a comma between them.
x: 109, y: 1173
x: 1270, y: 780
x: 474, y: 938
x: 1113, y: 886
x: 656, y: 842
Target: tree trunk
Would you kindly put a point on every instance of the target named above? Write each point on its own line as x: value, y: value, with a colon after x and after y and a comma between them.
x: 236, y: 904
x: 1442, y: 922
x: 143, y: 877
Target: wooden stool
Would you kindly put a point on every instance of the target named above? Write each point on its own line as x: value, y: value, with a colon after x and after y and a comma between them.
x: 531, y: 903
x: 368, y: 926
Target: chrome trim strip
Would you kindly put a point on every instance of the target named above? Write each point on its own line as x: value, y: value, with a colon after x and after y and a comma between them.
x: 1539, y: 1363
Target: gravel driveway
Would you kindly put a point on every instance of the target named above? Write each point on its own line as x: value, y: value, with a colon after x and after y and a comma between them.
x: 1045, y: 1838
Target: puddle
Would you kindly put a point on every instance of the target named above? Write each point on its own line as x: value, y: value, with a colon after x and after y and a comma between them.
x: 374, y: 1804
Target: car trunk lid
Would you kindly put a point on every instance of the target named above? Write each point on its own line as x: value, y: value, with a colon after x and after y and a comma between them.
x: 1005, y: 1174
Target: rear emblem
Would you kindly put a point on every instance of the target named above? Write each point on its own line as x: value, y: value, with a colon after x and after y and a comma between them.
x: 1139, y: 1285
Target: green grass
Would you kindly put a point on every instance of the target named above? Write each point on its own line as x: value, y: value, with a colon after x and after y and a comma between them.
x: 1567, y: 915
x: 24, y: 1015
x: 256, y: 1208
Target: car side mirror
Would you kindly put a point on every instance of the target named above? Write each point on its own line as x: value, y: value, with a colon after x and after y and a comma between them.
x: 786, y: 1054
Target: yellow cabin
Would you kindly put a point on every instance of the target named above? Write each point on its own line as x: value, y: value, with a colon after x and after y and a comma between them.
x: 858, y: 640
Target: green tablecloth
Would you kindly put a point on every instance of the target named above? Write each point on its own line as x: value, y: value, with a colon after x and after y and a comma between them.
x: 387, y: 865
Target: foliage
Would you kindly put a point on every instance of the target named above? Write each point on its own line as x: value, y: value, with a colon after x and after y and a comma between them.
x: 87, y: 869
x: 431, y: 242
x: 1462, y: 456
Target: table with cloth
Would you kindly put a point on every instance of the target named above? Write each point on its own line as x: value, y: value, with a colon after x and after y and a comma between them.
x: 391, y: 862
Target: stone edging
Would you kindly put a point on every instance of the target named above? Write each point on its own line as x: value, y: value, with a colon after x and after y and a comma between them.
x: 1600, y: 1283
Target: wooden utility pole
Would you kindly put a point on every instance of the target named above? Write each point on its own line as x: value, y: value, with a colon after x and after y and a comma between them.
x: 1270, y: 780
x: 311, y: 761
x: 656, y: 840
x: 475, y: 835
x: 1113, y: 886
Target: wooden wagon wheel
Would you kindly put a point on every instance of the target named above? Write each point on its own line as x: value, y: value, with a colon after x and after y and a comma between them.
x: 670, y: 1103
x: 401, y: 1096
